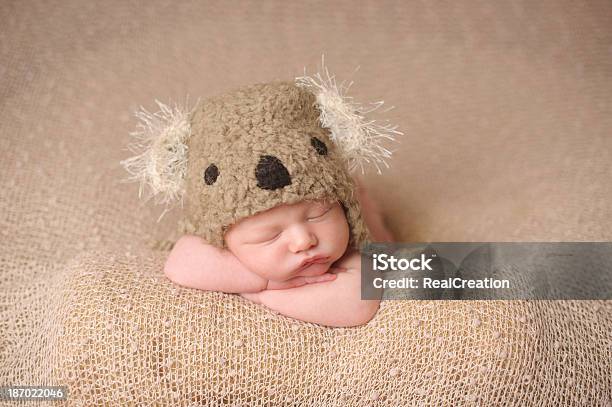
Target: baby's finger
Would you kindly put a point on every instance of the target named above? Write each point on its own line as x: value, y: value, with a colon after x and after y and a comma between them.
x: 321, y: 278
x: 298, y: 281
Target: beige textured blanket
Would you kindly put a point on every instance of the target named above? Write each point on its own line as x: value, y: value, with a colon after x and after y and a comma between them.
x: 507, y: 113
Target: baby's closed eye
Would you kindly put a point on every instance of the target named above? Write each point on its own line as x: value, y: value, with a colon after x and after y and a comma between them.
x: 320, y: 212
x: 267, y: 237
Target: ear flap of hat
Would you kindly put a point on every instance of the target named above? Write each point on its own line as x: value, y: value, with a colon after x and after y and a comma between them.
x: 358, y: 139
x: 160, y: 145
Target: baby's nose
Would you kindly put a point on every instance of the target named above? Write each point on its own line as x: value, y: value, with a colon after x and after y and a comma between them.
x: 271, y: 173
x: 302, y: 239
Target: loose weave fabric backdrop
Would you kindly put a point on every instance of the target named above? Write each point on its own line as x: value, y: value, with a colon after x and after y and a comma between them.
x: 507, y: 113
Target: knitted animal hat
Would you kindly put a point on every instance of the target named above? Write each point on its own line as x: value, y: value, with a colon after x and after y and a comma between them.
x: 260, y: 146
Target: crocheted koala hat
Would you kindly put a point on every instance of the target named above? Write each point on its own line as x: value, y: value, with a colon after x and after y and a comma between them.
x: 249, y: 150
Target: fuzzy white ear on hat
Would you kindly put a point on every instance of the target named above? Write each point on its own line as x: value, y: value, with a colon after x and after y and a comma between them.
x: 358, y: 139
x: 161, y: 153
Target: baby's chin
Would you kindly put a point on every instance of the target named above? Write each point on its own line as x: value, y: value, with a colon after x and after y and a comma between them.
x: 316, y: 269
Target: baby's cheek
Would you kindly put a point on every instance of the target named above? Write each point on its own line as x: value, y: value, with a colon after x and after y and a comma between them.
x: 271, y: 263
x: 337, y: 234
x: 251, y: 259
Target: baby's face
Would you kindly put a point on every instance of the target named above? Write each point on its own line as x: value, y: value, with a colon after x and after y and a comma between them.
x: 275, y: 243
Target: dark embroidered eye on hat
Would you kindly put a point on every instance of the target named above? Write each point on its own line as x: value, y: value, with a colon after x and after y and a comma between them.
x: 263, y: 145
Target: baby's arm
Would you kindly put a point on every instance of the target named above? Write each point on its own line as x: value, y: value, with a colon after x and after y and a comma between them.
x: 193, y: 263
x: 372, y: 215
x: 335, y: 303
x: 300, y: 281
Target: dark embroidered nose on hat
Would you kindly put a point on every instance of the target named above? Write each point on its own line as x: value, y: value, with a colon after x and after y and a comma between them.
x: 271, y: 173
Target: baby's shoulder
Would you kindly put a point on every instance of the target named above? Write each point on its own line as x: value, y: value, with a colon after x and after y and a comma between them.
x: 351, y: 259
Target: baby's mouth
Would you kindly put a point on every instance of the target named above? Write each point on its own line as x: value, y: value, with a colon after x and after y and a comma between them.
x: 313, y: 260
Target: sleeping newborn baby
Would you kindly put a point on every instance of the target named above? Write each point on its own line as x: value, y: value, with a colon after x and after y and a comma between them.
x: 272, y: 212
x: 293, y: 259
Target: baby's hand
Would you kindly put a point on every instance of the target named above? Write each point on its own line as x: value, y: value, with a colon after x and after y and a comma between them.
x: 300, y: 281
